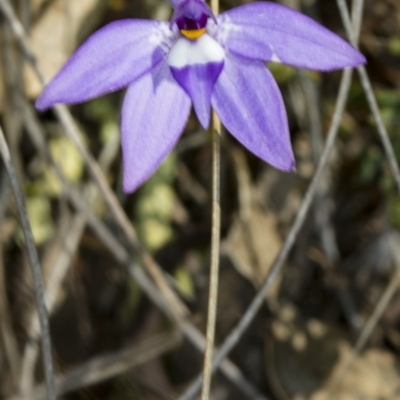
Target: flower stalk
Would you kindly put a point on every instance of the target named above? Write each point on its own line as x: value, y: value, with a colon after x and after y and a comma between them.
x: 215, y: 246
x: 215, y: 250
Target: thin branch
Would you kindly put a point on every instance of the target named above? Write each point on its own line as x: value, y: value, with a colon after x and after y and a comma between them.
x: 111, y: 200
x: 8, y: 335
x: 215, y: 251
x: 278, y: 265
x: 323, y: 203
x: 58, y: 272
x: 322, y: 211
x: 107, y: 366
x: 19, y: 32
x: 72, y: 238
x: 357, y: 8
x: 36, y: 271
x: 369, y: 93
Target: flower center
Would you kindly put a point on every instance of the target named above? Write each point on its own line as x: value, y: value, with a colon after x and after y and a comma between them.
x: 191, y: 18
x: 193, y: 34
x: 192, y: 28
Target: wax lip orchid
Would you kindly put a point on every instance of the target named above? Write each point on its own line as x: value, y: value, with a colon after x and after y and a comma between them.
x: 203, y: 60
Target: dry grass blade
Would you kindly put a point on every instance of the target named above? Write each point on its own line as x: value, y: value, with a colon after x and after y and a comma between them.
x: 36, y: 271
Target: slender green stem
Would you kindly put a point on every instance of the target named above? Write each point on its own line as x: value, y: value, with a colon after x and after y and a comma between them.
x: 214, y: 268
x: 215, y: 245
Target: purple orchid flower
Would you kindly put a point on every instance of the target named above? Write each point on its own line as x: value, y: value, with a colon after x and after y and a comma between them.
x: 202, y: 60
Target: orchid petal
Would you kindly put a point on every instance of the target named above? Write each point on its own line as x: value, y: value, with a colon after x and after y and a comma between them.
x: 154, y: 114
x: 110, y: 59
x: 193, y: 11
x: 175, y: 3
x: 196, y: 66
x: 249, y: 103
x: 272, y: 32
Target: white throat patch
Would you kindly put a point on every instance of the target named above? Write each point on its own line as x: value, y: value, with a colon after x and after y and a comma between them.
x: 187, y: 52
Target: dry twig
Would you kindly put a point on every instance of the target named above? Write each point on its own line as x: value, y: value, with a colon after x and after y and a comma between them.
x: 107, y: 366
x: 72, y: 240
x: 369, y: 93
x: 36, y: 271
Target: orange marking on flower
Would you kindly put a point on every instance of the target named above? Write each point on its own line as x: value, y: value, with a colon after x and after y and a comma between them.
x: 193, y: 34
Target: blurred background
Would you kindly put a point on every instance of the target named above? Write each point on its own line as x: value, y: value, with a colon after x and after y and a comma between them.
x: 114, y: 337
